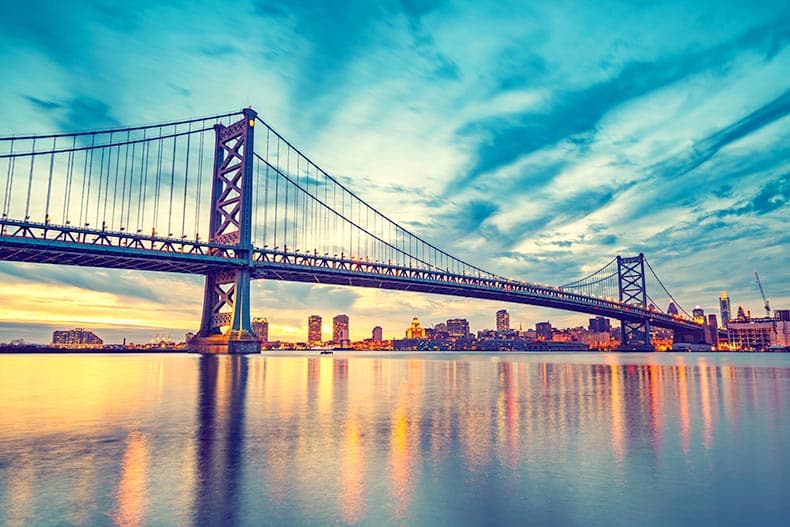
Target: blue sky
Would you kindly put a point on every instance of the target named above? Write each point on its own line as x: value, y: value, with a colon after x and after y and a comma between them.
x: 537, y: 140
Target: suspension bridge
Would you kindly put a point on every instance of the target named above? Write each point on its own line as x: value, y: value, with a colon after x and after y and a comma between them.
x: 142, y: 198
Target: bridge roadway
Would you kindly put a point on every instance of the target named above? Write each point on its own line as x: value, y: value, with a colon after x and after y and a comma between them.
x: 66, y: 245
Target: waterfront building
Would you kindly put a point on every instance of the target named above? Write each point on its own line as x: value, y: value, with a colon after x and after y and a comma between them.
x: 314, y: 336
x: 502, y: 320
x: 724, y: 308
x: 759, y: 334
x: 378, y: 334
x: 415, y: 331
x: 458, y: 328
x: 672, y: 309
x: 600, y: 325
x: 699, y: 315
x: 340, y: 329
x: 260, y: 326
x: 76, y: 337
x: 543, y: 331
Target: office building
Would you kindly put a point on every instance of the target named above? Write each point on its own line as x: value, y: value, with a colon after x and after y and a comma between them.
x: 672, y: 309
x: 314, y: 330
x: 378, y: 334
x: 502, y: 320
x: 699, y: 315
x: 340, y: 329
x: 724, y: 308
x: 758, y: 334
x: 260, y: 326
x: 600, y: 325
x: 458, y: 328
x: 543, y: 331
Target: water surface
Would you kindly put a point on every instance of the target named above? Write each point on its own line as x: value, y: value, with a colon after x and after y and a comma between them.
x: 395, y: 439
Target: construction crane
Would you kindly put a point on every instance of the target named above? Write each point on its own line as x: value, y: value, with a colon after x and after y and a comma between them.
x: 767, y: 305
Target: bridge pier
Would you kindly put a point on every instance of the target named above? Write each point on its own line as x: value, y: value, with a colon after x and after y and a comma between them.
x: 226, y: 299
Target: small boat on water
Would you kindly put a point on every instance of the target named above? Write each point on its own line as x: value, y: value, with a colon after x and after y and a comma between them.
x: 326, y: 352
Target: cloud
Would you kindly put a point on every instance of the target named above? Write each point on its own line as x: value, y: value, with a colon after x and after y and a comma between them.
x: 573, y: 115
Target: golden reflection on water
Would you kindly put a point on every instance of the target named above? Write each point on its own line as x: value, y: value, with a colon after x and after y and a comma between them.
x: 345, y: 434
x: 132, y: 489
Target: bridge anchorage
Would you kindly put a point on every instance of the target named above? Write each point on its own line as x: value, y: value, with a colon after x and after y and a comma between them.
x: 272, y: 214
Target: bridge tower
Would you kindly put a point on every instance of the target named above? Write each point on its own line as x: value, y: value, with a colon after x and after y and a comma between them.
x: 631, y: 285
x: 226, y: 299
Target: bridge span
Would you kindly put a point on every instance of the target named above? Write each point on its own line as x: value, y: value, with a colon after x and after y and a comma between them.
x: 266, y: 212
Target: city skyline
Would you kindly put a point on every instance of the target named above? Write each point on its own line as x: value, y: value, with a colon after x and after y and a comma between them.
x: 674, y: 147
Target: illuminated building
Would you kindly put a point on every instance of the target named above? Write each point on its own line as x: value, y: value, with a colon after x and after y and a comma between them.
x: 699, y: 315
x: 340, y: 329
x: 314, y: 330
x: 502, y: 320
x: 672, y: 309
x: 76, y: 337
x: 724, y: 308
x: 759, y: 334
x: 458, y: 327
x: 543, y: 330
x: 415, y: 331
x: 378, y: 334
x: 260, y: 326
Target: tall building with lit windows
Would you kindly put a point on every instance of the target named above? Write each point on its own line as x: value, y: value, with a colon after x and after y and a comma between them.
x: 502, y: 320
x: 378, y: 334
x: 458, y: 327
x: 340, y: 329
x: 724, y: 307
x: 314, y: 330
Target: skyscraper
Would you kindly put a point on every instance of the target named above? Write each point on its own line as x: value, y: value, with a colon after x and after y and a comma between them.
x: 378, y: 334
x: 502, y: 320
x: 724, y: 306
x: 340, y: 329
x: 672, y: 309
x: 314, y: 330
x: 458, y: 327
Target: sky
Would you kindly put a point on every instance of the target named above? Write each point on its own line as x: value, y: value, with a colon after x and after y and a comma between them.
x: 534, y: 139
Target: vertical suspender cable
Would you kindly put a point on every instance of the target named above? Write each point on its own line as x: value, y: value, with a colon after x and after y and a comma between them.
x: 101, y: 179
x: 143, y: 189
x: 115, y: 185
x: 49, y: 181
x: 69, y: 180
x: 9, y: 182
x: 127, y: 199
x: 266, y: 193
x: 172, y: 186
x: 186, y: 183
x: 30, y: 180
x: 199, y: 185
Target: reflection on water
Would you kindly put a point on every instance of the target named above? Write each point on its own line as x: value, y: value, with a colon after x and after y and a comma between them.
x: 393, y: 439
